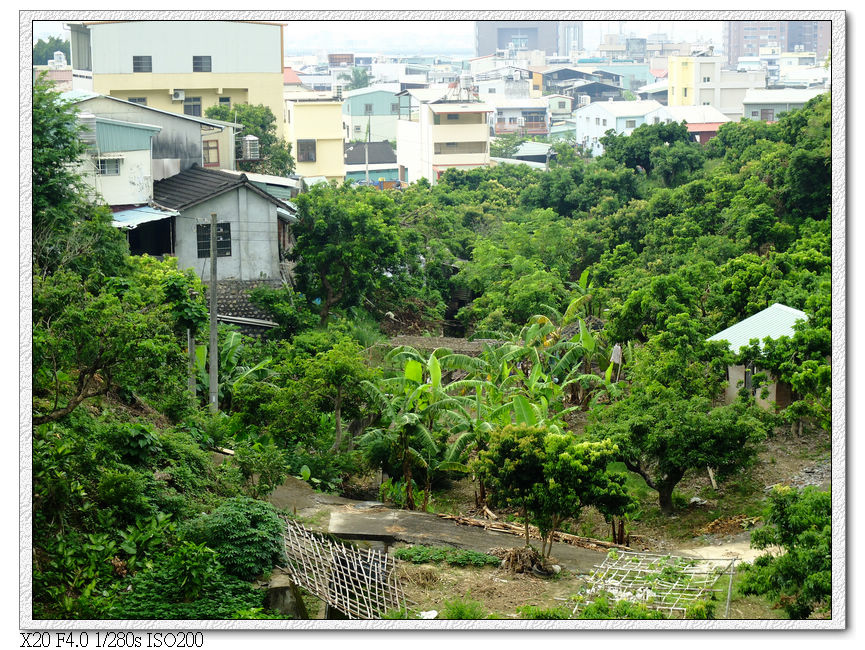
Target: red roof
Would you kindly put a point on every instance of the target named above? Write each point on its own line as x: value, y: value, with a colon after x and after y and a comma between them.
x: 289, y: 76
x: 700, y: 127
x: 658, y: 74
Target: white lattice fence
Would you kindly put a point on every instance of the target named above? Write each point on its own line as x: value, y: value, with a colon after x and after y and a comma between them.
x: 663, y: 582
x: 363, y: 584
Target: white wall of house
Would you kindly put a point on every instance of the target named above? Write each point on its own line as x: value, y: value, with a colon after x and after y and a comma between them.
x: 254, y: 245
x: 592, y: 122
x: 131, y: 184
x: 233, y: 46
x: 381, y: 127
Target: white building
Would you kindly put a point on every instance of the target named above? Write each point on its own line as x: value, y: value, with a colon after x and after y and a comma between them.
x: 436, y: 132
x: 593, y: 121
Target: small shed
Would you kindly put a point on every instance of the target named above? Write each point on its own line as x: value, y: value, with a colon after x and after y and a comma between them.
x: 775, y: 321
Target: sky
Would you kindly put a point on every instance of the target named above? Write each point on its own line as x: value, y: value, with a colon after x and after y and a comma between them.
x: 432, y: 37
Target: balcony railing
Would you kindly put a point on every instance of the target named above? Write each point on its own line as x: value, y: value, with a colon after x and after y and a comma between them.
x: 531, y: 128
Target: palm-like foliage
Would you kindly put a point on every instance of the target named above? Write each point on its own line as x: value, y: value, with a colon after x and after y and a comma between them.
x: 231, y: 373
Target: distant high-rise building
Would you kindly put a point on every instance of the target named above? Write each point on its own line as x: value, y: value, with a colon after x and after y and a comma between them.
x: 746, y: 37
x: 570, y: 37
x: 492, y: 35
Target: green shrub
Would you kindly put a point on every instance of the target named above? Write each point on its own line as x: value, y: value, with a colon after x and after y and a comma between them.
x: 463, y: 609
x: 188, y: 584
x: 263, y: 466
x: 701, y: 610
x: 136, y: 441
x: 125, y: 492
x: 448, y: 555
x: 246, y: 535
x: 534, y: 612
x: 603, y: 608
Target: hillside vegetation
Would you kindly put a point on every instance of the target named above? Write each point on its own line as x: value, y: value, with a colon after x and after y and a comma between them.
x: 653, y: 247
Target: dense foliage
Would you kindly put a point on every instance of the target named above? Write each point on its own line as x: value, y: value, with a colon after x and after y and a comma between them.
x: 593, y: 287
x: 799, y: 579
x: 258, y: 120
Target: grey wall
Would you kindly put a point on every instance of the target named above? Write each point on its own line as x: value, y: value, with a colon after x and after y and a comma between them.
x: 254, y: 245
x: 491, y: 35
x: 179, y: 139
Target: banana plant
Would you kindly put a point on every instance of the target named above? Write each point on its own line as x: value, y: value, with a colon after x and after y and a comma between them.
x: 231, y: 374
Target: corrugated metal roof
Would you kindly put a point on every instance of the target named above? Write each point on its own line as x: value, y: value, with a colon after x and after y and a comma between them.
x: 461, y: 108
x: 773, y: 322
x: 625, y: 109
x: 116, y: 135
x: 136, y: 216
x: 781, y: 95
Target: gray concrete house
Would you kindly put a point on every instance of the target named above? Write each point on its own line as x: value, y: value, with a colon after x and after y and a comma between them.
x: 253, y: 227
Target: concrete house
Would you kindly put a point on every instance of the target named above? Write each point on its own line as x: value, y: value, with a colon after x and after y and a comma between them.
x: 773, y: 322
x: 184, y: 66
x: 181, y: 142
x: 253, y: 227
x: 593, y: 121
x: 316, y: 134
x: 373, y: 109
x: 701, y: 80
x: 523, y: 116
x: 767, y: 104
x: 374, y: 159
x: 438, y: 131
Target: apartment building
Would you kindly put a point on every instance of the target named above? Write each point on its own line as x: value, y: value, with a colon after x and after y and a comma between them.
x: 184, y: 66
x: 436, y: 132
x: 746, y: 37
x: 701, y: 80
x: 315, y: 131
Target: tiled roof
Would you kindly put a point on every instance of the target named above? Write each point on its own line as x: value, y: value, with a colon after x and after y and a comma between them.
x: 197, y: 184
x: 773, y: 322
x: 289, y: 76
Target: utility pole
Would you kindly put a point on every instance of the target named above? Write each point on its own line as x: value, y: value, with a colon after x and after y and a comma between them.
x: 366, y: 148
x: 214, y: 340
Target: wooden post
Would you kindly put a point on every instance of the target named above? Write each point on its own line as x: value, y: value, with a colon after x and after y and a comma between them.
x: 214, y: 340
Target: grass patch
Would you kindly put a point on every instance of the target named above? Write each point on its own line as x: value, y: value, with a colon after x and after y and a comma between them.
x: 446, y: 555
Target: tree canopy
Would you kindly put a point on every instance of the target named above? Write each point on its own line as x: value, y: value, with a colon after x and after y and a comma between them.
x: 257, y: 120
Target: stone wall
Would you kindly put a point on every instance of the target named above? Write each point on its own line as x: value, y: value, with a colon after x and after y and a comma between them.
x: 233, y: 300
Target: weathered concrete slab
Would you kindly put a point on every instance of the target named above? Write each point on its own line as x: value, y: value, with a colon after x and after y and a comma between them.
x: 391, y: 526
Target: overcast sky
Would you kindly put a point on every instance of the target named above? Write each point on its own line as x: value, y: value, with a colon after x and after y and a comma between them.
x: 413, y: 37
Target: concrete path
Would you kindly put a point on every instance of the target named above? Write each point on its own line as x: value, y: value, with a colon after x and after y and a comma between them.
x: 378, y: 523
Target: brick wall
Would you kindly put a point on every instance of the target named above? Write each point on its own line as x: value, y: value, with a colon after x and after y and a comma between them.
x: 233, y: 300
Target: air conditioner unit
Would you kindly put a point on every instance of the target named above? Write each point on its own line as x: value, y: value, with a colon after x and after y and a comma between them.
x: 177, y: 95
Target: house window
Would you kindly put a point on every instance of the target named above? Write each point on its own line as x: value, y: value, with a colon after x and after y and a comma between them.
x: 491, y: 90
x: 357, y: 128
x: 367, y: 109
x: 306, y: 151
x: 137, y: 100
x: 604, y: 122
x: 201, y: 64
x: 684, y: 92
x: 706, y: 104
x: 561, y: 104
x: 755, y: 114
x: 142, y: 64
x: 707, y: 80
x: 108, y: 167
x: 767, y: 114
x: 597, y: 121
x: 657, y: 120
x: 225, y: 101
x: 210, y: 153
x: 394, y: 108
x: 223, y: 239
x: 192, y: 106
x: 453, y: 116
x: 630, y: 124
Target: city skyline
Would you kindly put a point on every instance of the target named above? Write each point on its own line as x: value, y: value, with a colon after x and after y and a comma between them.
x: 444, y: 37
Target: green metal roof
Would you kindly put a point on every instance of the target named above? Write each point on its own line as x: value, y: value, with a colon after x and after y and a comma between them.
x: 773, y: 322
x: 114, y: 135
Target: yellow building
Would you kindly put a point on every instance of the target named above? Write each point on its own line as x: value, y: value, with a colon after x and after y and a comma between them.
x: 314, y: 130
x: 184, y: 66
x: 700, y: 80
